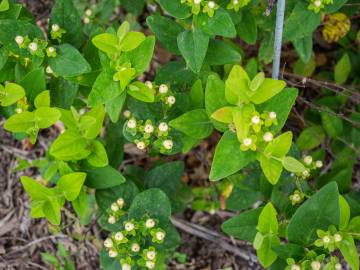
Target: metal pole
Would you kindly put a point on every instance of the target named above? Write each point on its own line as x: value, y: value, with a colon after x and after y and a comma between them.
x: 280, y: 11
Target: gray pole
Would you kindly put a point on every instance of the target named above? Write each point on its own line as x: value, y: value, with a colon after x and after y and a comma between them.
x: 280, y: 11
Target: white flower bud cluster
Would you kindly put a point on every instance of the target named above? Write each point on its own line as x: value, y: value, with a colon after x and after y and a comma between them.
x: 88, y: 14
x: 168, y: 144
x: 211, y: 4
x: 315, y: 265
x: 115, y: 207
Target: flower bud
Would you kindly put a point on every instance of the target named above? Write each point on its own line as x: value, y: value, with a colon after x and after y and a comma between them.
x: 318, y: 164
x: 149, y: 128
x: 51, y: 49
x: 131, y: 123
x: 126, y: 266
x: 149, y: 84
x: 317, y: 3
x: 126, y: 113
x: 247, y: 141
x: 129, y: 226
x: 272, y: 115
x: 295, y: 267
x: 197, y: 2
x: 326, y: 239
x: 150, y: 264
x: 150, y: 223
x: 49, y: 70
x: 33, y: 47
x: 108, y: 243
x: 338, y: 266
x: 19, y: 40
x: 168, y: 144
x: 120, y: 202
x: 86, y: 20
x: 268, y: 137
x: 308, y: 160
x: 255, y: 120
x: 306, y: 173
x: 135, y: 247
x: 337, y: 237
x: 211, y: 4
x: 171, y: 100
x: 141, y: 145
x: 150, y: 255
x: 160, y: 236
x: 88, y: 12
x: 119, y: 236
x: 113, y: 253
x: 163, y: 89
x: 55, y: 27
x: 163, y: 127
x: 18, y: 110
x: 315, y: 265
x: 111, y: 220
x: 114, y: 207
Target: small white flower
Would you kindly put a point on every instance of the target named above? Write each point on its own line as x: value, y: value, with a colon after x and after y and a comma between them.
x: 135, y: 247
x: 318, y: 164
x: 255, y: 120
x: 149, y: 128
x: 272, y: 115
x: 86, y: 20
x: 112, y: 253
x: 337, y: 237
x: 18, y: 110
x: 151, y: 255
x: 131, y: 123
x: 55, y: 27
x: 268, y: 137
x: 127, y: 113
x: 120, y: 202
x: 150, y: 223
x: 33, y: 47
x: 141, y: 145
x: 88, y: 12
x: 236, y: 2
x: 247, y: 141
x: 326, y: 239
x: 163, y: 89
x: 306, y: 173
x: 308, y: 160
x: 315, y: 265
x: 108, y: 243
x: 168, y: 144
x: 150, y: 264
x: 19, y: 40
x: 149, y: 84
x: 51, y: 49
x: 114, y: 207
x: 126, y: 266
x: 211, y: 4
x: 129, y: 226
x: 295, y: 267
x: 317, y: 3
x: 171, y: 100
x: 49, y: 70
x: 163, y: 127
x: 111, y: 220
x: 338, y: 266
x: 119, y: 236
x: 296, y: 198
x: 160, y: 236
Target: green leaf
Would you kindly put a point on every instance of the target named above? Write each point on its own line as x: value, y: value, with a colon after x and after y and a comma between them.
x: 271, y: 168
x: 65, y: 14
x: 175, y: 8
x: 141, y: 92
x: 93, y: 131
x: 242, y: 120
x: 267, y: 90
x: 45, y: 117
x: 11, y: 93
x: 342, y: 69
x: 197, y: 95
x: 266, y: 50
x: 265, y: 253
x: 295, y: 27
x: 131, y: 41
x: 280, y: 146
x: 293, y: 165
x: 247, y: 28
x: 349, y: 250
x: 114, y: 107
x: 34, y: 83
x: 304, y: 48
x: 224, y: 115
x: 228, y: 158
x: 107, y: 43
x: 133, y: 6
x: 140, y: 57
x: 344, y: 213
x: 20, y: 122
x: 42, y: 99
x: 35, y: 190
x: 268, y: 220
x: 52, y: 211
x: 104, y: 89
x: 68, y: 62
x: 243, y: 227
x: 354, y: 227
x: 220, y: 53
x: 218, y: 25
x: 194, y: 123
x: 152, y: 202
x: 4, y: 5
x: 98, y: 156
x: 318, y: 212
x: 69, y: 146
x: 237, y: 86
x: 310, y: 138
x: 332, y: 125
x: 102, y: 177
x: 166, y: 31
x: 70, y: 184
x: 193, y: 46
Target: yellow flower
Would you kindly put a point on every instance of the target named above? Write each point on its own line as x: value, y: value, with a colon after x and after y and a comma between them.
x: 336, y: 26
